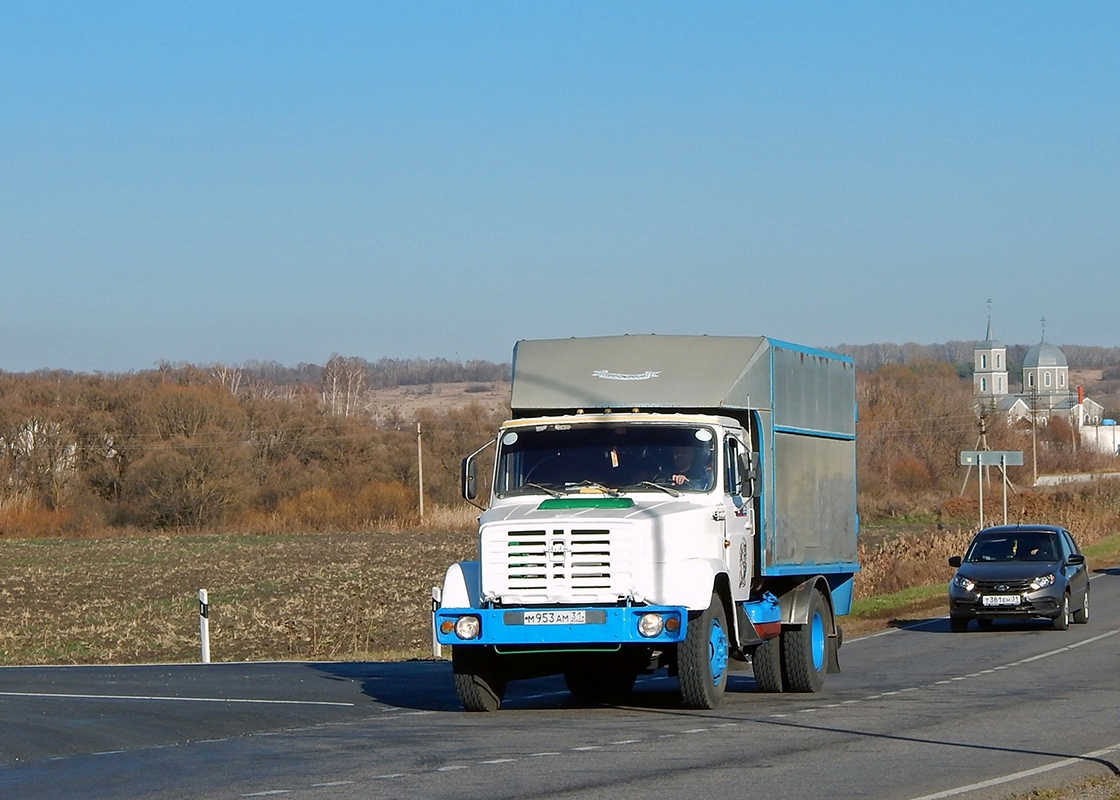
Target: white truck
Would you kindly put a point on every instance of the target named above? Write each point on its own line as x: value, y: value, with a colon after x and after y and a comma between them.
x: 686, y: 502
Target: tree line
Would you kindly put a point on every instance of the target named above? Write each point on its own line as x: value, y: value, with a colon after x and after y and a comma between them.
x: 184, y: 447
x: 228, y: 448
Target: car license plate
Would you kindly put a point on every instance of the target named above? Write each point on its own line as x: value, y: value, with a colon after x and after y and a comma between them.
x: 1002, y: 599
x: 573, y: 617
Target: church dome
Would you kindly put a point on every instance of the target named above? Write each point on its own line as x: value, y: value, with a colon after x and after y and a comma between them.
x: 1044, y: 354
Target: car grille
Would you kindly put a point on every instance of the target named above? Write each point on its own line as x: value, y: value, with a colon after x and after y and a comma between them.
x: 1003, y: 587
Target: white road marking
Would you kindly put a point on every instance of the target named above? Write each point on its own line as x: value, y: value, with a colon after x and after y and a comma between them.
x: 172, y: 699
x: 498, y: 761
x: 331, y: 783
x: 1066, y: 762
x: 268, y: 793
x: 452, y: 768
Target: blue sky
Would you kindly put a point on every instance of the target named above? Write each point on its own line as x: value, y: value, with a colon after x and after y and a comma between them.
x: 221, y: 182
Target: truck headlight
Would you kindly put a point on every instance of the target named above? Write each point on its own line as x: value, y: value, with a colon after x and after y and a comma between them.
x: 467, y: 627
x: 650, y: 625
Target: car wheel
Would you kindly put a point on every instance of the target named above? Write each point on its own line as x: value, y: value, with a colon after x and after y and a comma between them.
x: 1061, y: 622
x: 1081, y: 615
x: 958, y: 624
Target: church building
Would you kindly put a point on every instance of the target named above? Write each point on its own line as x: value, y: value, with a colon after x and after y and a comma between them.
x: 1045, y: 388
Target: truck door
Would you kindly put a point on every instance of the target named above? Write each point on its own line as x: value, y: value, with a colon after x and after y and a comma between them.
x: 738, y: 517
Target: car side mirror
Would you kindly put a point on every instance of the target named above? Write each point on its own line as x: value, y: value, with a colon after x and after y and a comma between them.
x: 1075, y: 559
x: 954, y: 561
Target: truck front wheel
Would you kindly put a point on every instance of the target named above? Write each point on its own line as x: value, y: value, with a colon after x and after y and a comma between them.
x: 702, y: 657
x: 479, y: 679
x: 805, y: 648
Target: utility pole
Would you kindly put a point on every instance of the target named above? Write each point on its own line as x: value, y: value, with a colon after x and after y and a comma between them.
x: 981, y: 443
x: 1034, y: 433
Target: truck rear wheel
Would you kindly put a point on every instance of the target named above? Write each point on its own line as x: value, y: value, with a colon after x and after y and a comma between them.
x: 805, y: 648
x: 479, y: 679
x: 766, y: 662
x: 702, y: 657
x: 600, y: 686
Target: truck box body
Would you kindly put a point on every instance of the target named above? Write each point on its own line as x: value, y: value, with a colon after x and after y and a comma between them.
x: 802, y: 399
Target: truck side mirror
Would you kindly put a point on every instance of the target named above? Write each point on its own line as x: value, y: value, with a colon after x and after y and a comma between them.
x: 954, y: 561
x: 748, y: 471
x: 470, y: 478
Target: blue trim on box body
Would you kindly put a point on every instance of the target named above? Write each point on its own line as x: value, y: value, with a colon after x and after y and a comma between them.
x: 841, y: 587
x: 620, y: 627
x: 841, y: 569
x: 819, y: 434
x: 812, y: 351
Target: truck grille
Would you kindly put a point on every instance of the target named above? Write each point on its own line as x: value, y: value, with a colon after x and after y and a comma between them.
x: 580, y: 559
x: 556, y: 565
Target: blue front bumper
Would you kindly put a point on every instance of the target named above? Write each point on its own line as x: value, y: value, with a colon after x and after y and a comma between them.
x: 603, y: 626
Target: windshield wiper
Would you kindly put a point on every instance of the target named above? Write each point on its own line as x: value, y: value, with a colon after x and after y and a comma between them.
x: 600, y: 487
x: 545, y: 489
x: 665, y: 489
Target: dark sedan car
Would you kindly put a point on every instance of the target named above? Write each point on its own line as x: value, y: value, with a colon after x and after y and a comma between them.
x: 1020, y: 571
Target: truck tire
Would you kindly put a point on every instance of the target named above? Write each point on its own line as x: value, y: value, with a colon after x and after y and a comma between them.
x: 805, y: 648
x: 766, y: 662
x: 600, y: 686
x: 702, y: 657
x: 479, y: 679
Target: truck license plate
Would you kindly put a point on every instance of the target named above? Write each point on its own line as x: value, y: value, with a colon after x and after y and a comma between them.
x: 1002, y: 599
x: 572, y: 617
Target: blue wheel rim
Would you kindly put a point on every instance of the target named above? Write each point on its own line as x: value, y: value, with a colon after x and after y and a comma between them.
x: 817, y: 641
x: 717, y: 651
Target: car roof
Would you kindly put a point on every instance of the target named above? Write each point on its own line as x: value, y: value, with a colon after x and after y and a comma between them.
x: 999, y: 530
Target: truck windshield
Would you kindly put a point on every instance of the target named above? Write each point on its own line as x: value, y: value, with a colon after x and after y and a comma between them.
x: 567, y: 458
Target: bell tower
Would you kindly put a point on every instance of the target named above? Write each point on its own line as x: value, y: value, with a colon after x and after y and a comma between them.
x: 989, y: 375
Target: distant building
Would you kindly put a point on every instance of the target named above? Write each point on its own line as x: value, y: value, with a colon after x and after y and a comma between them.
x: 1045, y: 392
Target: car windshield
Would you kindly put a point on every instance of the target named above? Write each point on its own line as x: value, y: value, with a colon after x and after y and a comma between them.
x: 1024, y: 546
x: 563, y: 458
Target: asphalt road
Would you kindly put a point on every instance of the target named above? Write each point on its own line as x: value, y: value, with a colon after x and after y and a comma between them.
x: 918, y: 712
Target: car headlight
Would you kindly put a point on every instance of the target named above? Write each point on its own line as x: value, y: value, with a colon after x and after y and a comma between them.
x: 964, y: 583
x: 1042, y: 581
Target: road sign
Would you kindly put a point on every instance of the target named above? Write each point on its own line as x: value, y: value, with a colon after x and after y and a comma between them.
x: 992, y: 458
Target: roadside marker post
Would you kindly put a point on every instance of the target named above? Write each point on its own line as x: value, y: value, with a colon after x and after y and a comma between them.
x: 204, y: 624
x: 437, y: 648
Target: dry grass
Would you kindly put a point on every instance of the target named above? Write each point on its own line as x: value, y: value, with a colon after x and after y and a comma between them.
x: 366, y: 595
x: 133, y: 599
